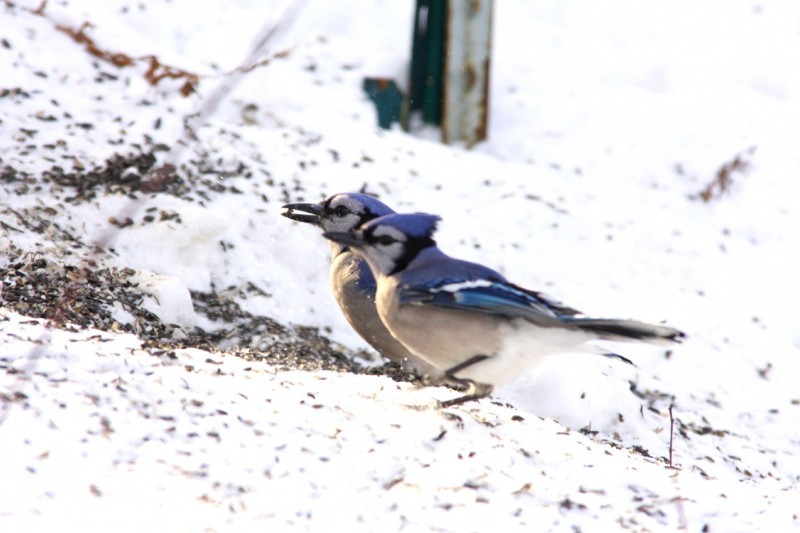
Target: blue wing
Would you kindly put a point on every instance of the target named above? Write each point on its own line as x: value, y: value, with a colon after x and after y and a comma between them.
x: 485, y: 296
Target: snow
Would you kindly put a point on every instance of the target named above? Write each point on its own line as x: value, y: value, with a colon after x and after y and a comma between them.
x: 169, y: 299
x: 607, y: 121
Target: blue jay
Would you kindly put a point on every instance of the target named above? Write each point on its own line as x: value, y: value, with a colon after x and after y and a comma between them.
x: 352, y: 282
x: 466, y: 320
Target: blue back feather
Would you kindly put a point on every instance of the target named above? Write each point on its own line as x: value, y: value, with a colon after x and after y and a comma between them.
x: 491, y: 297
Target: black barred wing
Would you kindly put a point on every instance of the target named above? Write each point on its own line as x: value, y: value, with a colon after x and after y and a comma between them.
x: 486, y: 296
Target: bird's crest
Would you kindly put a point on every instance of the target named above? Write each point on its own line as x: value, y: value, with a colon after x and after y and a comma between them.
x: 370, y: 203
x: 417, y: 225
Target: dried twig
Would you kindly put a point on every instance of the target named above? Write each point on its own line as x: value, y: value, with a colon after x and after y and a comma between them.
x: 79, y: 36
x: 244, y: 69
x: 156, y: 70
x: 682, y: 522
x: 723, y: 179
x: 671, y: 432
x: 40, y: 10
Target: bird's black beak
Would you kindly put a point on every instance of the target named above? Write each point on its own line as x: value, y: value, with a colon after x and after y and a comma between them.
x: 344, y: 238
x: 309, y: 213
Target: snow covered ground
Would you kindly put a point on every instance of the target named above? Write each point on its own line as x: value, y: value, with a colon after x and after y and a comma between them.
x: 608, y: 122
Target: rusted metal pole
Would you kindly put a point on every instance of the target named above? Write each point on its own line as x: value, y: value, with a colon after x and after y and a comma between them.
x: 465, y: 105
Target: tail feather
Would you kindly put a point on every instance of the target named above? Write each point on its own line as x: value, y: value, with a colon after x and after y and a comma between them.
x: 614, y: 329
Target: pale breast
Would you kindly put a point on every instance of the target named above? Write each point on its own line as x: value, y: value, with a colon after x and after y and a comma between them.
x: 444, y: 338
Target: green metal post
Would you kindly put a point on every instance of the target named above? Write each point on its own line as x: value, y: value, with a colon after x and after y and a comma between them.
x: 427, y: 59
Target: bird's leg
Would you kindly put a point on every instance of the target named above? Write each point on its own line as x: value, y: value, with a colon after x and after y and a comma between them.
x: 475, y: 391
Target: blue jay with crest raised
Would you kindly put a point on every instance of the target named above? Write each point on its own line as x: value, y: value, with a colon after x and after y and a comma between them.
x: 351, y: 279
x: 465, y: 320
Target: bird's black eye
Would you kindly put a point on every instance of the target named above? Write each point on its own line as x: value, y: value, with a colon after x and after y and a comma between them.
x: 341, y: 211
x: 386, y: 240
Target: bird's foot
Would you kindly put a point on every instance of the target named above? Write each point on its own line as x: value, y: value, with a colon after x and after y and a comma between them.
x: 476, y: 391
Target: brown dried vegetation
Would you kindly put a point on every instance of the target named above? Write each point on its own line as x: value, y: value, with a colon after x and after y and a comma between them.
x: 723, y: 179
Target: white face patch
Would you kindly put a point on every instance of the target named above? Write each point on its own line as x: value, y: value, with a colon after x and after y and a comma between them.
x: 382, y: 257
x: 394, y: 233
x: 333, y: 221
